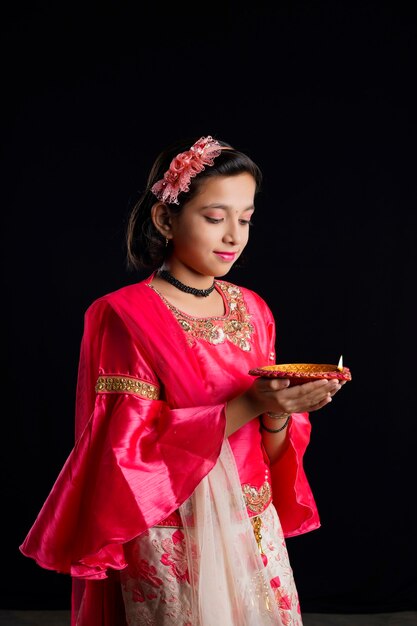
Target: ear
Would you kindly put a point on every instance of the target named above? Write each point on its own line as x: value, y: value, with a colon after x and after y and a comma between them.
x: 161, y: 218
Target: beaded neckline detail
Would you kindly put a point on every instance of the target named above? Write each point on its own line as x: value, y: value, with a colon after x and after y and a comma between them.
x: 234, y: 326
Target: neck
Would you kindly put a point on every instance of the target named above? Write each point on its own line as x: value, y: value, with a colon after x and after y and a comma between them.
x: 166, y: 275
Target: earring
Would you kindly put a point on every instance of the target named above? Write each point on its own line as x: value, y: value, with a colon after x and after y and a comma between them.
x: 166, y: 241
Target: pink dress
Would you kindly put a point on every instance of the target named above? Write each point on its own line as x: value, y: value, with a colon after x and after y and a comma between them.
x: 152, y: 387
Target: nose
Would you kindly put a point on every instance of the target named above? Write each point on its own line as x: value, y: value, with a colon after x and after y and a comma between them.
x: 233, y: 233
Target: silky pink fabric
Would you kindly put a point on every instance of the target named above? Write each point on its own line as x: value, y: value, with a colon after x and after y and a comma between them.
x: 137, y: 460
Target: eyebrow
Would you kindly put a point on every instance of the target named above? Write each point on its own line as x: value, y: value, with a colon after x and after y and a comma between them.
x: 225, y: 207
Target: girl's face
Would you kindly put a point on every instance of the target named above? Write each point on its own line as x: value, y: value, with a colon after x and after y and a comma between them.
x: 212, y: 230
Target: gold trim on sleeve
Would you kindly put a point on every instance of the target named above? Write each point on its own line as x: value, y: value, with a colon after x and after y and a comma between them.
x: 127, y: 384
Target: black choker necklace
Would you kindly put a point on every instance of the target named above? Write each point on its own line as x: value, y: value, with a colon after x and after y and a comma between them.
x: 202, y: 293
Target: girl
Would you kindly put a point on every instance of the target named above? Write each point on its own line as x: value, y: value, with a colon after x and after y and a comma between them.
x: 187, y: 472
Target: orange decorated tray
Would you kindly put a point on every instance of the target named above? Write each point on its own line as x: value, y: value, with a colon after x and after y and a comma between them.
x: 299, y: 373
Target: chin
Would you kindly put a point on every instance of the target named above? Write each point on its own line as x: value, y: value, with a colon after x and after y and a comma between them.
x: 223, y: 272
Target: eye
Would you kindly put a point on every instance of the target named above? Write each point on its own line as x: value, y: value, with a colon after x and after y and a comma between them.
x: 213, y: 220
x: 246, y: 222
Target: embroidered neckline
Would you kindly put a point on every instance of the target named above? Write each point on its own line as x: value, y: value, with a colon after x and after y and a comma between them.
x: 234, y: 325
x: 187, y: 316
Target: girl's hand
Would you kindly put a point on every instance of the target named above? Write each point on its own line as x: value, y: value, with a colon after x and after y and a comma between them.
x: 276, y: 396
x: 268, y: 395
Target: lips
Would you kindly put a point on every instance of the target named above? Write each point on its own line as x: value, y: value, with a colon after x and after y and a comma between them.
x: 226, y: 256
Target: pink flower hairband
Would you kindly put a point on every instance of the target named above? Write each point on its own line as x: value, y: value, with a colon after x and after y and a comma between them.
x: 185, y: 166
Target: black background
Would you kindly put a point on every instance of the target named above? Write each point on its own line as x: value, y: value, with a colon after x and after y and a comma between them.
x: 323, y: 97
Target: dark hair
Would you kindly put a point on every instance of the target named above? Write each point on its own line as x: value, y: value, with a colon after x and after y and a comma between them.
x: 145, y: 245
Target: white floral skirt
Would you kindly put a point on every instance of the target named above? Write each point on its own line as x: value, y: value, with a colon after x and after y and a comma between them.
x: 156, y: 584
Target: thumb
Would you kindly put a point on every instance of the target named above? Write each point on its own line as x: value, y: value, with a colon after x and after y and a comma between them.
x: 278, y: 384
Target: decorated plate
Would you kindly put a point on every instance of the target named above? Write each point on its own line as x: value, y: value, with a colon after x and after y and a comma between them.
x: 299, y: 373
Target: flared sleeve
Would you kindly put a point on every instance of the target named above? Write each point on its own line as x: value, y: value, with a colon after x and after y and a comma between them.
x: 135, y: 461
x: 292, y: 494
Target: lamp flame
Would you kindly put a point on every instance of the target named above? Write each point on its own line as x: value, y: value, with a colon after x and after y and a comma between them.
x: 340, y: 364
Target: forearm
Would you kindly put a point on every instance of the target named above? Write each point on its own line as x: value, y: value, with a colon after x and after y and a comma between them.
x: 251, y: 404
x: 239, y: 412
x: 276, y: 396
x: 276, y: 443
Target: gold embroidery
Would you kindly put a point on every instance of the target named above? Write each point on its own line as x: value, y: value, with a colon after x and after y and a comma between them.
x: 257, y: 500
x: 235, y: 326
x: 125, y: 384
x: 257, y: 525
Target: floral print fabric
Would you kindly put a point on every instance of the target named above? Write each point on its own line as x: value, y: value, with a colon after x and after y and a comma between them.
x: 156, y: 583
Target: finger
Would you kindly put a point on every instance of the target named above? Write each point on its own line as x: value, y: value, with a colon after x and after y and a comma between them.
x: 315, y: 396
x: 279, y: 383
x: 320, y: 405
x: 332, y: 387
x: 332, y: 393
x: 315, y: 384
x: 272, y: 384
x: 316, y: 389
